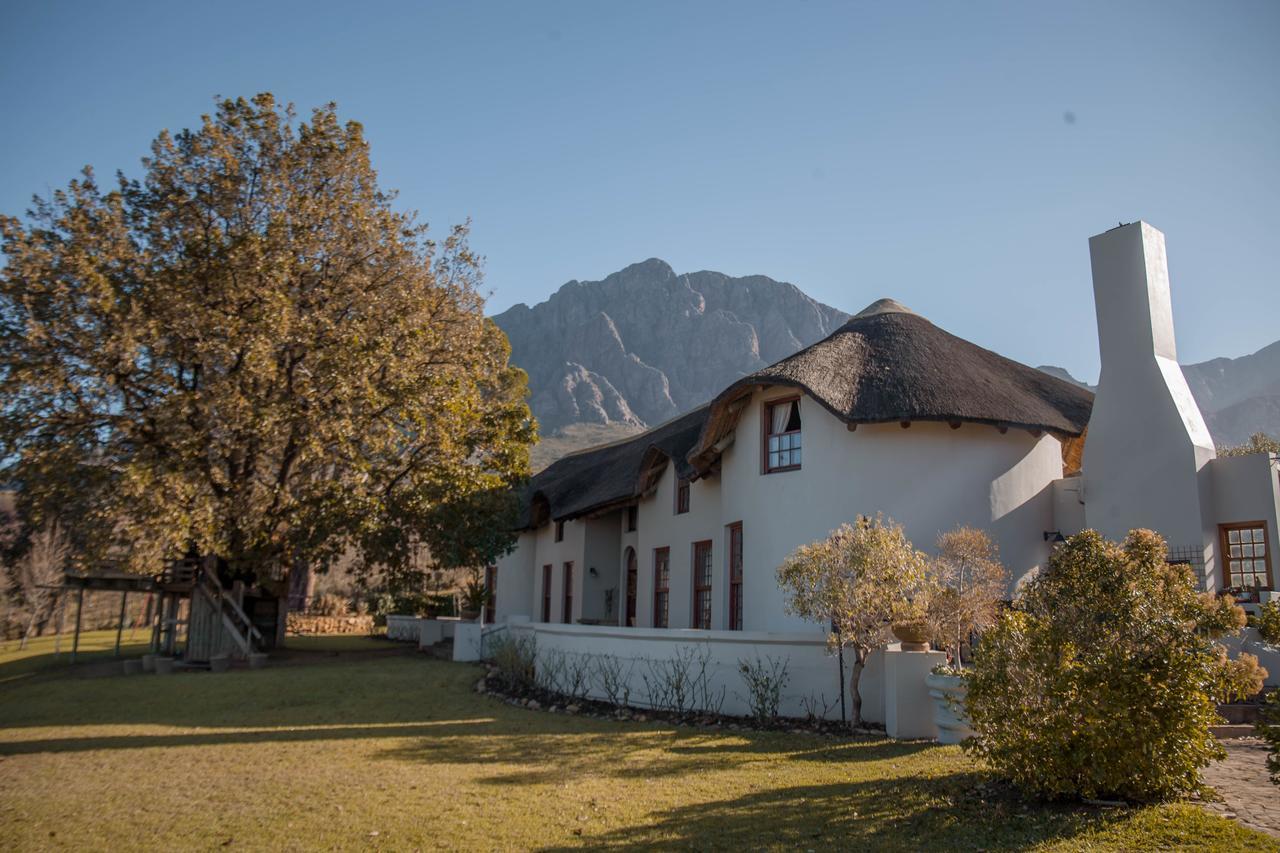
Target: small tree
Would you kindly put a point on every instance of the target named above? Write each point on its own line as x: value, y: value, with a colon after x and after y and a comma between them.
x: 968, y: 585
x: 1102, y: 680
x: 857, y: 581
x: 40, y: 572
x: 1259, y: 442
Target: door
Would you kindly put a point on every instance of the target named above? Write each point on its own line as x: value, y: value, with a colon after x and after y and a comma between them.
x: 633, y: 577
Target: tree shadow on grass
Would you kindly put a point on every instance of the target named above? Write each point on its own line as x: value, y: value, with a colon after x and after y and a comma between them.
x: 902, y: 813
x: 625, y: 751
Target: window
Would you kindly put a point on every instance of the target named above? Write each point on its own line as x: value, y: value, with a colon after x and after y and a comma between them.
x: 661, y: 587
x: 567, y: 616
x: 1246, y: 563
x: 735, y: 576
x: 633, y: 581
x: 633, y: 515
x: 559, y: 531
x: 702, y: 584
x: 546, y: 593
x: 782, y: 435
x: 491, y: 586
x: 682, y: 496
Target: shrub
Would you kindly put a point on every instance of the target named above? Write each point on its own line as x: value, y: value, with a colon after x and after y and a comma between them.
x: 516, y: 661
x: 967, y: 584
x: 1269, y: 730
x: 613, y: 682
x: 330, y: 604
x: 765, y: 681
x: 1099, y: 682
x: 1268, y: 622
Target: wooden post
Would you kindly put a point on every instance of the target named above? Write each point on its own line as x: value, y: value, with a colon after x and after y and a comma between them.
x: 75, y: 643
x: 62, y: 618
x: 124, y: 597
x: 156, y: 616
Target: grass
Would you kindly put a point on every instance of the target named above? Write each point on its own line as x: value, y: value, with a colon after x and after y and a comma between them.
x: 398, y: 752
x: 39, y: 654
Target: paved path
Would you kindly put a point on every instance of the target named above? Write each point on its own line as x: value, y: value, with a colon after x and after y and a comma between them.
x: 1242, y: 783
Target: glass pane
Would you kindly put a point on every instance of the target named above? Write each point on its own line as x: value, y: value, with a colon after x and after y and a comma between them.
x: 1235, y: 550
x: 1257, y: 534
x: 773, y: 442
x: 795, y: 456
x: 773, y: 460
x: 1233, y: 535
x: 795, y: 440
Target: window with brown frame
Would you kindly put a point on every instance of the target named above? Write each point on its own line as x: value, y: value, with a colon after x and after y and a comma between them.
x: 682, y: 496
x: 633, y: 516
x: 546, y: 593
x: 661, y: 587
x: 491, y: 586
x: 735, y: 576
x: 559, y: 531
x: 702, y: 584
x: 1246, y: 562
x: 781, y: 431
x: 567, y: 616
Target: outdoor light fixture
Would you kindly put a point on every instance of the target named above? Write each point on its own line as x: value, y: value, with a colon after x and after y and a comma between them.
x: 592, y: 571
x: 1054, y: 535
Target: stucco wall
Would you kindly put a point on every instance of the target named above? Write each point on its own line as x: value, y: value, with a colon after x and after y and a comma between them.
x: 1247, y: 488
x: 600, y: 552
x: 555, y: 554
x: 929, y: 478
x: 516, y: 580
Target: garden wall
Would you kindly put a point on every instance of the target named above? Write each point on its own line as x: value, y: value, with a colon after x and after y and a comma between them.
x: 404, y: 629
x: 814, y: 674
x: 304, y: 623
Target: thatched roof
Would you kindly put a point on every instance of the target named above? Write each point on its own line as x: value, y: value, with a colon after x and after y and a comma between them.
x: 890, y: 365
x: 602, y: 478
x: 885, y: 365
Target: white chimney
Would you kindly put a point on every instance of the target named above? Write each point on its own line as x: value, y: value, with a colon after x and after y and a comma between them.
x: 1147, y: 446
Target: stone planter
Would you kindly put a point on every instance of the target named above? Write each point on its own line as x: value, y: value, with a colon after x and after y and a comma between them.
x: 257, y: 660
x: 221, y: 663
x: 164, y: 666
x: 914, y: 636
x: 470, y: 615
x: 948, y: 693
x: 149, y: 662
x: 133, y: 667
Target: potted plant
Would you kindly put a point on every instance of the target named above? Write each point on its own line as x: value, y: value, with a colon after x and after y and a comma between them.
x: 968, y: 584
x: 475, y: 596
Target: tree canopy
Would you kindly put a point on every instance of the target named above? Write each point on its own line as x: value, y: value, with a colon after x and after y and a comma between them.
x: 250, y: 352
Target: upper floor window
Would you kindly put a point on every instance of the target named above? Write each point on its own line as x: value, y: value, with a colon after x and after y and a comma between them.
x: 633, y: 515
x: 559, y: 531
x: 782, y: 435
x: 682, y: 496
x: 1247, y: 563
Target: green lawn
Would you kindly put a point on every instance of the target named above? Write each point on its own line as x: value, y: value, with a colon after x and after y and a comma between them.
x: 399, y: 752
x: 39, y: 654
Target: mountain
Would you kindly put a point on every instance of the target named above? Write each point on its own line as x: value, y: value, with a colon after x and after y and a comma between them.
x: 646, y: 343
x: 1237, y: 396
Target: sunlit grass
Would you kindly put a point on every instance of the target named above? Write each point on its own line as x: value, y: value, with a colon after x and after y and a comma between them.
x: 399, y: 752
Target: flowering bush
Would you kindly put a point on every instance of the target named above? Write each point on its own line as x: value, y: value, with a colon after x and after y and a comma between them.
x: 1101, y: 681
x: 1268, y: 622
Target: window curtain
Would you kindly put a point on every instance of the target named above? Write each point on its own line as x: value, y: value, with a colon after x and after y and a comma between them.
x: 780, y: 413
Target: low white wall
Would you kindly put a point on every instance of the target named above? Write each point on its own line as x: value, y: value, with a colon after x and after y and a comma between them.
x: 404, y: 629
x: 1250, y: 641
x: 813, y: 673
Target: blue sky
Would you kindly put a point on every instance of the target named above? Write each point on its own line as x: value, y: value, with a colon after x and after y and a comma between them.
x: 955, y: 156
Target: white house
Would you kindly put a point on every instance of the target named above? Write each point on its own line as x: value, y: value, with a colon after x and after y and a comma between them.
x: 673, y: 537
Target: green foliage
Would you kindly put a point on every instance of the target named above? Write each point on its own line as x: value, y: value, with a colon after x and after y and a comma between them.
x: 250, y: 351
x: 966, y: 585
x: 859, y: 581
x: 1269, y: 730
x: 1259, y: 442
x: 1101, y: 681
x: 330, y: 604
x: 1267, y: 621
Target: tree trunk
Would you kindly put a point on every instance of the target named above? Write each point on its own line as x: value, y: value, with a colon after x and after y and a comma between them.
x: 855, y: 697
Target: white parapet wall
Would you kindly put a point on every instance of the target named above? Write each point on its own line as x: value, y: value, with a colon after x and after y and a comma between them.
x: 404, y: 629
x: 641, y: 654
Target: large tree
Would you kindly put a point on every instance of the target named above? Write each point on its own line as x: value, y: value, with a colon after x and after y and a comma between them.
x: 250, y: 352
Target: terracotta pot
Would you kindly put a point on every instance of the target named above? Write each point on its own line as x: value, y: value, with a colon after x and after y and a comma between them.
x: 913, y: 635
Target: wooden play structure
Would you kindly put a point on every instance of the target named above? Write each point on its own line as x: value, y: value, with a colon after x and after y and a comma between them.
x: 195, y: 612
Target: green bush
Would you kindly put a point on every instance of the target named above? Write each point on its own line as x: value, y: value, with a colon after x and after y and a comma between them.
x: 1268, y: 622
x: 1100, y: 681
x: 1269, y: 730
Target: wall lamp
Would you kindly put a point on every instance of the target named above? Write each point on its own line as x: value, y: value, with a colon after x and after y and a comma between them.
x: 1054, y: 536
x: 592, y: 571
